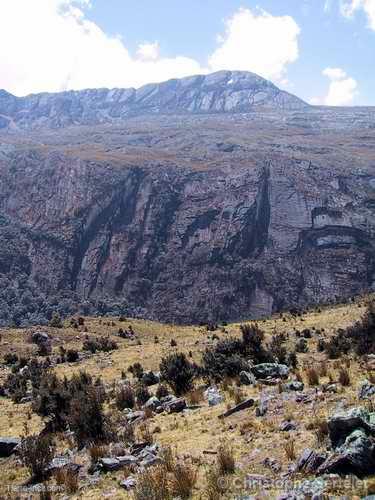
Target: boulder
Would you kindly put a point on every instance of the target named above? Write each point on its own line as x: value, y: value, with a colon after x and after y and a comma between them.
x: 8, y: 445
x: 242, y: 406
x: 40, y: 337
x: 176, y: 405
x: 247, y: 378
x: 310, y: 461
x: 355, y: 456
x: 152, y: 403
x: 342, y: 424
x: 109, y: 464
x: 213, y: 396
x: 134, y: 416
x: 272, y: 370
x: 128, y: 483
x: 294, y: 385
x: 366, y: 390
x: 288, y: 426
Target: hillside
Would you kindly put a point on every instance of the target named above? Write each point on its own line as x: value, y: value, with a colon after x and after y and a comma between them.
x: 291, y: 411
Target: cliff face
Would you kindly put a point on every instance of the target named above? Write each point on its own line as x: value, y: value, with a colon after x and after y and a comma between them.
x: 187, y: 219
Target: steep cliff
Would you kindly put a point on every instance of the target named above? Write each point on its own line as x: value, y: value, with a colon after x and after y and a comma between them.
x: 187, y: 217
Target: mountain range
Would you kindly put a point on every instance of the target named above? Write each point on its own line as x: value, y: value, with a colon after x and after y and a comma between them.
x: 209, y: 198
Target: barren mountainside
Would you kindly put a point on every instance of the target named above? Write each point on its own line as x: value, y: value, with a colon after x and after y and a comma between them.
x: 207, y: 198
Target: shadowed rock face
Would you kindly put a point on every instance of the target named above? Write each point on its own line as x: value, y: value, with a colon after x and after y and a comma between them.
x: 193, y: 217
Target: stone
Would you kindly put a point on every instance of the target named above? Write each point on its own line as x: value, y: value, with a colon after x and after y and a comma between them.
x: 153, y: 403
x: 310, y: 461
x: 133, y: 416
x: 272, y: 370
x: 40, y: 337
x: 366, y: 390
x: 247, y: 378
x: 242, y: 406
x: 109, y: 464
x: 355, y: 456
x: 175, y: 406
x: 293, y: 385
x: 8, y: 445
x: 343, y: 423
x: 128, y: 483
x: 213, y: 396
x: 288, y: 426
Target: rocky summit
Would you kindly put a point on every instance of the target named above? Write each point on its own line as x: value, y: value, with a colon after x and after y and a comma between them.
x: 209, y: 198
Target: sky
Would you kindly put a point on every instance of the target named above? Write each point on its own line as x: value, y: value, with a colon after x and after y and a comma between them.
x: 321, y: 50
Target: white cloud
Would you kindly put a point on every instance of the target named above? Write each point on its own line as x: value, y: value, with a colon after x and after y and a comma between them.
x: 258, y: 42
x: 350, y: 7
x: 51, y: 45
x: 148, y: 51
x: 342, y: 88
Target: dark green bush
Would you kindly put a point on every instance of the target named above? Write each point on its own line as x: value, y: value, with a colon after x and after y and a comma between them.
x: 178, y: 372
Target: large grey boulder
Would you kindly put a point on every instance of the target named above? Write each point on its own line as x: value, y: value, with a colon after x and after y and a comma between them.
x: 8, y: 445
x: 342, y: 424
x: 273, y: 370
x: 355, y: 456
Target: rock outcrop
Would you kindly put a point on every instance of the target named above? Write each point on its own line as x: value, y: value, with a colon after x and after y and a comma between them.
x: 220, y: 212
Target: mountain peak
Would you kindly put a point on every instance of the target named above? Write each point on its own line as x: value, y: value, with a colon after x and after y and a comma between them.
x: 220, y: 92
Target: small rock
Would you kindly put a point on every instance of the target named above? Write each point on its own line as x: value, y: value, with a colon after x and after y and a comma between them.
x: 247, y: 378
x: 213, y: 395
x: 272, y: 370
x: 152, y: 403
x: 8, y: 445
x: 175, y: 406
x: 310, y: 461
x: 288, y: 426
x: 294, y: 385
x: 128, y: 483
x: 366, y: 390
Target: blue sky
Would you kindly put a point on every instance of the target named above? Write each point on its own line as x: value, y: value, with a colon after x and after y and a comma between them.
x: 321, y: 50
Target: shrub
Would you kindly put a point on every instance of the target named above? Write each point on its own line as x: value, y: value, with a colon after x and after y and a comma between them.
x: 153, y: 484
x: 10, y: 358
x: 252, y: 344
x: 301, y: 346
x: 125, y: 397
x: 183, y: 481
x: 344, y: 377
x: 36, y: 453
x: 278, y: 351
x: 142, y: 394
x: 224, y: 360
x: 225, y: 459
x: 136, y: 370
x: 178, y: 372
x: 161, y: 391
x: 289, y: 449
x: 104, y: 344
x: 312, y: 376
x: 69, y: 479
x: 55, y: 321
x: 72, y: 356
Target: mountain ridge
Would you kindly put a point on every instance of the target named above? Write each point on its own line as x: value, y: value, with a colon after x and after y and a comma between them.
x: 223, y: 91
